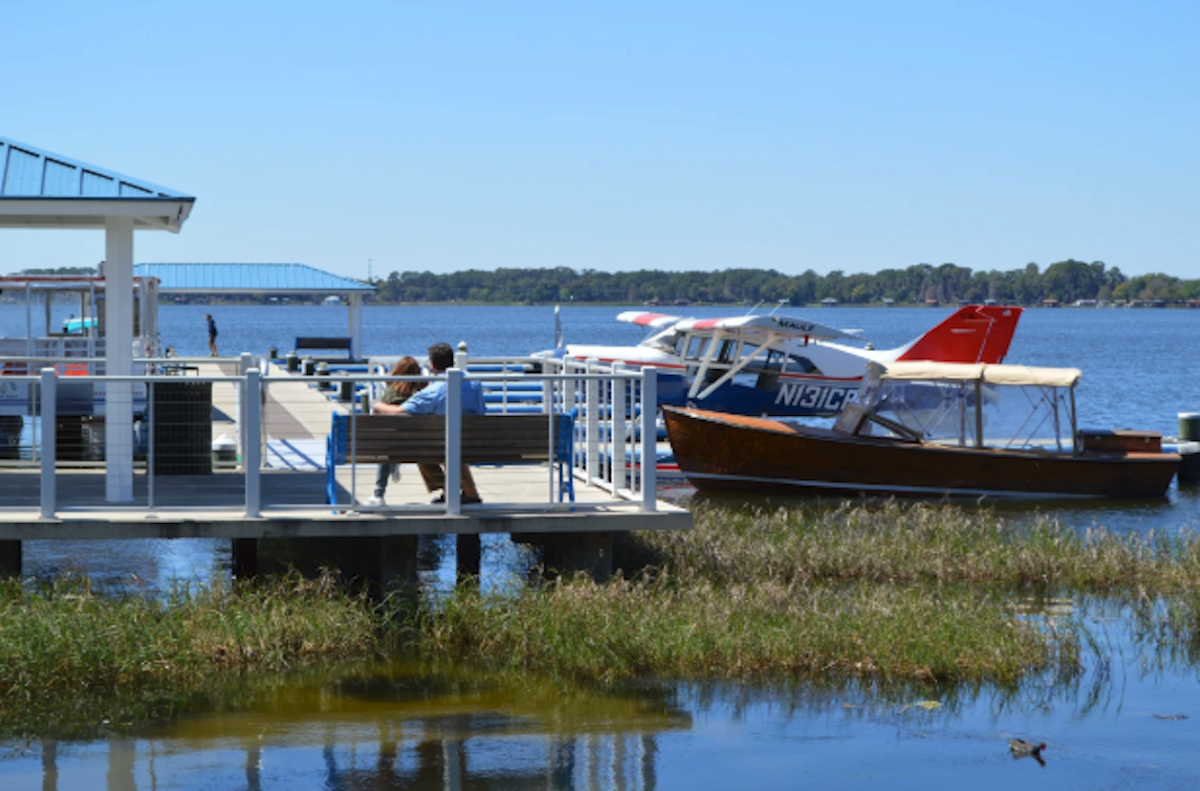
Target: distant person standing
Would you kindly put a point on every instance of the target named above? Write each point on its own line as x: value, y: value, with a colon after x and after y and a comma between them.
x: 212, y: 335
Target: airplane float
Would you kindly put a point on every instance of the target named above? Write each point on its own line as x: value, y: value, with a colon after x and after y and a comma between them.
x: 785, y: 366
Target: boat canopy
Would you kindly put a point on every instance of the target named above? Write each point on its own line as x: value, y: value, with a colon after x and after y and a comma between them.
x: 991, y: 374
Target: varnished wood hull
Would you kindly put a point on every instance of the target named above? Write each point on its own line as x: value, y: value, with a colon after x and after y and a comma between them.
x: 720, y: 452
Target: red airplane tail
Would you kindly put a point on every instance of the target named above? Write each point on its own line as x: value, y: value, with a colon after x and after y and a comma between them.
x: 972, y: 334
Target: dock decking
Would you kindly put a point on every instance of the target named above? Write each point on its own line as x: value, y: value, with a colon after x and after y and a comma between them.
x: 518, y: 500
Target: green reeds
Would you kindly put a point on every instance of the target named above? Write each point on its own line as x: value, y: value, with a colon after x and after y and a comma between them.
x: 665, y: 627
x: 906, y: 592
x: 898, y: 542
x: 62, y: 638
x: 900, y: 590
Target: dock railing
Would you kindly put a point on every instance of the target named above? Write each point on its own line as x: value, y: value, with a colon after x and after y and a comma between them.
x: 613, y: 442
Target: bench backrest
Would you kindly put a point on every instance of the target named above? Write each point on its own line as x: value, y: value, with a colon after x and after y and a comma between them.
x: 323, y: 343
x: 486, y: 439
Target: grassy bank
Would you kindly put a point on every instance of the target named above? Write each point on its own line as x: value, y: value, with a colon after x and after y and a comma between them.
x: 908, y: 542
x: 666, y: 627
x: 62, y: 639
x: 909, y: 591
x: 914, y: 593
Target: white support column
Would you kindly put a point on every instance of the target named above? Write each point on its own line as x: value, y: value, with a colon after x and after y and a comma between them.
x: 454, y: 386
x: 118, y: 358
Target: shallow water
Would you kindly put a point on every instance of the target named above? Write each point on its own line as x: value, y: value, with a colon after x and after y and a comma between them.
x: 408, y: 728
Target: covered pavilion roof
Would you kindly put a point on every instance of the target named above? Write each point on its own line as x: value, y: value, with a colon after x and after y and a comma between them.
x: 39, y: 189
x: 247, y: 278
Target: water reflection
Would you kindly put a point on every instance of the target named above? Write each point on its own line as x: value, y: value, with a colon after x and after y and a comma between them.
x: 403, y: 727
x: 392, y: 728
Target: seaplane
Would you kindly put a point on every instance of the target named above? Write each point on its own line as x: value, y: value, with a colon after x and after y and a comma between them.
x: 782, y: 366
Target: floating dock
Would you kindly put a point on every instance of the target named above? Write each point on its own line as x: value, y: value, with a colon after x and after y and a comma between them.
x: 268, y: 494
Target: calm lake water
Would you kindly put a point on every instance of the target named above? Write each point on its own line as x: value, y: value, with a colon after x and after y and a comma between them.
x: 397, y: 727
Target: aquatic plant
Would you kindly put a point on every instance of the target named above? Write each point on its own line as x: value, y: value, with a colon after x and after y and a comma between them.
x: 662, y: 626
x: 894, y: 541
x: 61, y: 637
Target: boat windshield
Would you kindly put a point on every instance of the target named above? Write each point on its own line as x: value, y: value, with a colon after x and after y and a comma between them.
x: 971, y: 413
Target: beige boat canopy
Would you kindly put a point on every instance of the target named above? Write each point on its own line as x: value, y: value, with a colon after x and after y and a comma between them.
x: 981, y: 372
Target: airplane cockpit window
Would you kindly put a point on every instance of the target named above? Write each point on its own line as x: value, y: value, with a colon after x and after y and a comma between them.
x: 696, y: 347
x: 801, y: 364
x: 727, y: 352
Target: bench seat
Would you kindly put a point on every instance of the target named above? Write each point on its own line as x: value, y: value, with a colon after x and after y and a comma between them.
x: 421, y: 439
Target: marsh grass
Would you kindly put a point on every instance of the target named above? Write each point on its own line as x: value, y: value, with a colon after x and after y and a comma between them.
x: 896, y: 542
x: 664, y: 627
x: 898, y: 593
x: 62, y: 638
x: 895, y: 590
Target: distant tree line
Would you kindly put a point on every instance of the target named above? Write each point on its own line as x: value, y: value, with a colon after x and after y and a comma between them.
x: 71, y: 271
x: 1064, y: 281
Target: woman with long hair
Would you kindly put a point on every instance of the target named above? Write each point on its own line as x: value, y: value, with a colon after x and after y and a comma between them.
x: 396, y: 393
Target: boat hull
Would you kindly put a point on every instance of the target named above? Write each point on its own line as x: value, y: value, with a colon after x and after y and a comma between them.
x: 732, y: 453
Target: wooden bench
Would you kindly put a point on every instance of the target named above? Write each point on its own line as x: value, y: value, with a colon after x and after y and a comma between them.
x: 324, y: 344
x: 421, y: 439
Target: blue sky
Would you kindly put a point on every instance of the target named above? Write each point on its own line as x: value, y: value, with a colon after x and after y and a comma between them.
x: 618, y: 136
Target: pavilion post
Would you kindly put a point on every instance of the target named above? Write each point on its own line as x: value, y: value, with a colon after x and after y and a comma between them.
x: 118, y: 358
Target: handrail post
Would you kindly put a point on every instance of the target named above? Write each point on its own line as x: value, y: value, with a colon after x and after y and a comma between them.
x: 48, y: 411
x: 244, y: 366
x: 548, y: 405
x: 649, y: 438
x: 251, y: 447
x: 592, y: 431
x: 150, y: 420
x: 618, y: 442
x: 453, y: 476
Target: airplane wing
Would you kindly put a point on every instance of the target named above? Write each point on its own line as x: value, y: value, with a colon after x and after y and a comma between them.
x: 779, y: 326
x: 644, y: 318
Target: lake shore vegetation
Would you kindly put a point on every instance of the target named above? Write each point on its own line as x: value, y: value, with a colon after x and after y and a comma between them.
x: 1060, y: 283
x: 910, y: 593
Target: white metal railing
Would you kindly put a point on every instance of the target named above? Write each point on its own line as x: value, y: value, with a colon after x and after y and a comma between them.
x: 613, y: 443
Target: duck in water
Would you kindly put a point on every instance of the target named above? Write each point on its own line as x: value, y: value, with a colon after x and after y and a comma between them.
x: 1023, y: 749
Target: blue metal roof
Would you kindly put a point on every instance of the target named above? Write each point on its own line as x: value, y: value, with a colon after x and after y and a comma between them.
x: 242, y: 278
x: 28, y: 172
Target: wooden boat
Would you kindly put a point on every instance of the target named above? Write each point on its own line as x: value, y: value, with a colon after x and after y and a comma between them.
x: 929, y: 429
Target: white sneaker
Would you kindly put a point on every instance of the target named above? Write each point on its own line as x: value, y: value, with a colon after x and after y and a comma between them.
x: 376, y: 501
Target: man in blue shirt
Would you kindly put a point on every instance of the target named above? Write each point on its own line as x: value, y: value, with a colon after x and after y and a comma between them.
x: 432, y: 401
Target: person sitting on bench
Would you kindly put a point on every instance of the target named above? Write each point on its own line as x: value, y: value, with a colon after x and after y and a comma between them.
x: 432, y: 401
x: 397, y: 393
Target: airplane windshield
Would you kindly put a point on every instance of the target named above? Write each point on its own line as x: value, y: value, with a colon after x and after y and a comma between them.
x: 664, y: 340
x: 696, y: 346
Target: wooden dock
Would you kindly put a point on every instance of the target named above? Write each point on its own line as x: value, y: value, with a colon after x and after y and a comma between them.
x: 292, y: 512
